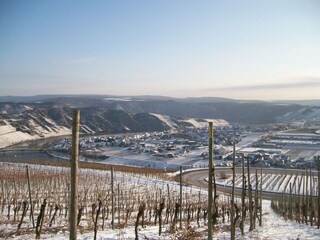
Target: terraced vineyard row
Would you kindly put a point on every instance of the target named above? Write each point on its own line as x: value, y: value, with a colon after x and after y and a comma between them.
x: 278, y: 182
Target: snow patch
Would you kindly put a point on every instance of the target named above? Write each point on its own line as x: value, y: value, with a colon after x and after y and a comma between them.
x: 204, y: 122
x: 196, y: 123
x: 86, y: 129
x: 6, y: 129
x: 13, y: 138
x: 166, y: 119
x: 9, y: 135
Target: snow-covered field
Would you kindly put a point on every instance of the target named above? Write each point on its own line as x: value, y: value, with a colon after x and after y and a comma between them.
x: 148, y: 189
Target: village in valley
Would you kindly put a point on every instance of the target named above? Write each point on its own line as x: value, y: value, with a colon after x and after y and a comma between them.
x: 276, y: 145
x: 160, y: 120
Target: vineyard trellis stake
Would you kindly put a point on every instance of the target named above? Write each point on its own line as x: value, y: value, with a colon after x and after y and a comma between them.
x: 112, y: 198
x: 180, y: 225
x: 74, y: 175
x: 233, y: 224
x: 243, y: 198
x: 210, y: 182
x: 30, y: 197
x: 318, y: 191
x: 260, y: 220
x: 250, y: 196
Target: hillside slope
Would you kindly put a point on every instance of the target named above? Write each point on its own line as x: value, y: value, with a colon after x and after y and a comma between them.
x: 22, y: 122
x: 235, y: 111
x: 100, y: 114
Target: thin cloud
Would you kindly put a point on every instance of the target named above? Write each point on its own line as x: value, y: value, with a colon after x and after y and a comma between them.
x: 74, y: 60
x: 310, y: 82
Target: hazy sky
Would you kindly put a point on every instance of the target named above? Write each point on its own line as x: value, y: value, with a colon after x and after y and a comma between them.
x: 237, y: 49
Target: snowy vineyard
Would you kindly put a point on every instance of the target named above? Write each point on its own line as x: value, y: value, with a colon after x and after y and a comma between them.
x: 143, y: 205
x: 298, y: 191
x: 136, y: 200
x: 301, y: 182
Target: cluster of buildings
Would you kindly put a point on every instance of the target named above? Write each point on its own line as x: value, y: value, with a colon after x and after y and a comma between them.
x: 176, y: 143
x: 168, y: 144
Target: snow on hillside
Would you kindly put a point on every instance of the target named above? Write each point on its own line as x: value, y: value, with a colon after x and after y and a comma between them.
x: 166, y: 119
x: 49, y: 131
x: 35, y: 125
x: 6, y: 129
x: 86, y: 129
x: 9, y: 135
x: 197, y: 123
x: 10, y: 138
x: 118, y: 99
x: 218, y: 122
x: 306, y: 113
x: 203, y: 123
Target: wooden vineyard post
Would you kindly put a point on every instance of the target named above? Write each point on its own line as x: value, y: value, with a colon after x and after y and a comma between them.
x: 260, y: 219
x: 318, y: 225
x: 303, y: 199
x: 307, y: 197
x: 180, y: 200
x: 96, y: 221
x: 199, y: 209
x: 119, y: 212
x: 215, y: 214
x: 243, y: 198
x: 30, y: 198
x: 295, y: 201
x: 311, y: 199
x: 250, y: 197
x: 40, y: 219
x: 112, y: 198
x: 210, y: 182
x: 318, y: 192
x: 169, y: 198
x: 290, y: 202
x: 233, y: 224
x: 256, y: 200
x: 299, y: 199
x: 284, y: 200
x: 74, y: 175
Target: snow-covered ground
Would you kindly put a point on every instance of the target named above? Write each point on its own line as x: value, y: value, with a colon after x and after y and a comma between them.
x: 273, y: 226
x: 276, y: 182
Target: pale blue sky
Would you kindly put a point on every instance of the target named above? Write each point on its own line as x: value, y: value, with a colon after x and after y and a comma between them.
x: 236, y: 49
